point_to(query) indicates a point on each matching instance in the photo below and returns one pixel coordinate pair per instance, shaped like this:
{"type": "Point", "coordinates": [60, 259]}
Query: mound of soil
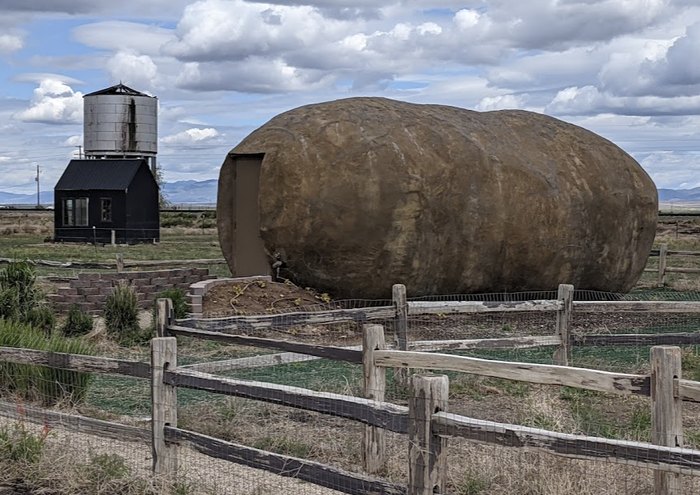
{"type": "Point", "coordinates": [258, 297]}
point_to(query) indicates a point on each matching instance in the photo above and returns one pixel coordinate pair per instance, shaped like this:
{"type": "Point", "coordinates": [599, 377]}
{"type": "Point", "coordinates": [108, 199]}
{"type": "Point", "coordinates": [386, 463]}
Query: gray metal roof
{"type": "Point", "coordinates": [111, 175]}
{"type": "Point", "coordinates": [118, 89]}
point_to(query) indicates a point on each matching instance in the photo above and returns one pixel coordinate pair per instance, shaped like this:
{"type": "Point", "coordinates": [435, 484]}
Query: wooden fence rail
{"type": "Point", "coordinates": [426, 420]}
{"type": "Point", "coordinates": [428, 425]}
{"type": "Point", "coordinates": [662, 269]}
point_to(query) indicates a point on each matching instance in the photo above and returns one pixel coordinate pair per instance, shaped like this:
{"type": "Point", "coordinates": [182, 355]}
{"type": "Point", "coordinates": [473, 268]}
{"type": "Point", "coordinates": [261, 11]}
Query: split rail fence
{"type": "Point", "coordinates": [663, 269]}
{"type": "Point", "coordinates": [426, 420]}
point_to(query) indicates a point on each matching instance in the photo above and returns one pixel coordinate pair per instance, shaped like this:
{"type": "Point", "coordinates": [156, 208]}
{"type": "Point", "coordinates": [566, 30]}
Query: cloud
{"type": "Point", "coordinates": [124, 36]}
{"type": "Point", "coordinates": [53, 102]}
{"type": "Point", "coordinates": [589, 100]}
{"type": "Point", "coordinates": [132, 69]}
{"type": "Point", "coordinates": [192, 136]}
{"type": "Point", "coordinates": [234, 30]}
{"type": "Point", "coordinates": [75, 140]}
{"type": "Point", "coordinates": [159, 8]}
{"type": "Point", "coordinates": [10, 43]}
{"type": "Point", "coordinates": [501, 102]}
{"type": "Point", "coordinates": [255, 75]}
{"type": "Point", "coordinates": [673, 170]}
{"type": "Point", "coordinates": [38, 77]}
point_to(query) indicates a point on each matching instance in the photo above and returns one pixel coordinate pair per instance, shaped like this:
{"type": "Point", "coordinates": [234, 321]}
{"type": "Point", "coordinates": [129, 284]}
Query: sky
{"type": "Point", "coordinates": [625, 69]}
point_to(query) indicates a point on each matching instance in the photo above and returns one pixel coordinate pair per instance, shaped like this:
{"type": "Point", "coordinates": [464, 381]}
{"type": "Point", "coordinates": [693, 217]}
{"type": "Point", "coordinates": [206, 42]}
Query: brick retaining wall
{"type": "Point", "coordinates": [90, 290]}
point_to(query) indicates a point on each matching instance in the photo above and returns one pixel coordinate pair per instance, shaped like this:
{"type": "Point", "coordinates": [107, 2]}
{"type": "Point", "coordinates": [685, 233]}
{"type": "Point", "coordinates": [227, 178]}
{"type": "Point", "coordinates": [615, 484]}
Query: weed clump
{"type": "Point", "coordinates": [21, 446]}
{"type": "Point", "coordinates": [179, 299]}
{"type": "Point", "coordinates": [18, 292]}
{"type": "Point", "coordinates": [122, 316]}
{"type": "Point", "coordinates": [77, 323]}
{"type": "Point", "coordinates": [40, 383]}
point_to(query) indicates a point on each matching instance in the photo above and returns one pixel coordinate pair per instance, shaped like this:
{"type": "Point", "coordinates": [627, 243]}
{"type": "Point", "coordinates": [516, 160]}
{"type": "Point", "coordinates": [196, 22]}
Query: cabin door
{"type": "Point", "coordinates": [249, 251]}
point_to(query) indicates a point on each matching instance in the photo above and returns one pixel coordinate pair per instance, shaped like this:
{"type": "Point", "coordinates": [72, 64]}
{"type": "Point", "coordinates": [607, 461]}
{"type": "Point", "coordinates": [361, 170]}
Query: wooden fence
{"type": "Point", "coordinates": [400, 312]}
{"type": "Point", "coordinates": [426, 419]}
{"type": "Point", "coordinates": [663, 269]}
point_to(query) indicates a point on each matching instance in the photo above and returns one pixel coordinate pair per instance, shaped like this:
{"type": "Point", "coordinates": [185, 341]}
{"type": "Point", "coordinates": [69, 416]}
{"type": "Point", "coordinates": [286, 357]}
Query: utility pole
{"type": "Point", "coordinates": [38, 193]}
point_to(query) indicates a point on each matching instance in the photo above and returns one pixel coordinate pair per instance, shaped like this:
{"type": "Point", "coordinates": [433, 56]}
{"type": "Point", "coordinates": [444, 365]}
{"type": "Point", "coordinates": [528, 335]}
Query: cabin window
{"type": "Point", "coordinates": [106, 209]}
{"type": "Point", "coordinates": [75, 212]}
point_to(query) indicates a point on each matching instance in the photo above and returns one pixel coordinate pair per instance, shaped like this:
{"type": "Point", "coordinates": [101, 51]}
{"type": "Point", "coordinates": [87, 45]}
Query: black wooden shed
{"type": "Point", "coordinates": [107, 200]}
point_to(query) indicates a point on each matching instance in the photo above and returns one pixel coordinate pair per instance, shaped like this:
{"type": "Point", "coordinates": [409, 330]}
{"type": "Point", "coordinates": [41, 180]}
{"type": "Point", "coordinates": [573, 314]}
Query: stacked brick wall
{"type": "Point", "coordinates": [90, 290]}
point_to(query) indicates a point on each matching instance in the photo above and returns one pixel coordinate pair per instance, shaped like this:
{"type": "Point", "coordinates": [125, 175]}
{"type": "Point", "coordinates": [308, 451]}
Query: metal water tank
{"type": "Point", "coordinates": [120, 122]}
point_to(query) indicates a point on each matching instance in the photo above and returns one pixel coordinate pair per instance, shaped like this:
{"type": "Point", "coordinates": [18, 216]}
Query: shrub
{"type": "Point", "coordinates": [179, 299]}
{"type": "Point", "coordinates": [21, 446]}
{"type": "Point", "coordinates": [18, 292]}
{"type": "Point", "coordinates": [78, 322]}
{"type": "Point", "coordinates": [41, 317]}
{"type": "Point", "coordinates": [122, 316]}
{"type": "Point", "coordinates": [105, 469]}
{"type": "Point", "coordinates": [41, 383]}
{"type": "Point", "coordinates": [122, 310]}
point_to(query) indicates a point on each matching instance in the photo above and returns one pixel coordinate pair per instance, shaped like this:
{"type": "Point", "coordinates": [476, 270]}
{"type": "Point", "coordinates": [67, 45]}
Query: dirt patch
{"type": "Point", "coordinates": [259, 297]}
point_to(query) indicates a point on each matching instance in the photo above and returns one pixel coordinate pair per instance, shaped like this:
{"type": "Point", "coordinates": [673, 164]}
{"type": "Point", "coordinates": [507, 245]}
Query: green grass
{"type": "Point", "coordinates": [193, 244]}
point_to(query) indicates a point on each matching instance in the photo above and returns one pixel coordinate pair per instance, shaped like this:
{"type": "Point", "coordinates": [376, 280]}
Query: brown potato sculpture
{"type": "Point", "coordinates": [358, 194]}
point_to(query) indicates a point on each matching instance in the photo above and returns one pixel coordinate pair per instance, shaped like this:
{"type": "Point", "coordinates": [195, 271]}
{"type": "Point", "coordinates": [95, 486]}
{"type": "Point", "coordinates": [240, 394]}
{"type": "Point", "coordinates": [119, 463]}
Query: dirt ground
{"type": "Point", "coordinates": [259, 297]}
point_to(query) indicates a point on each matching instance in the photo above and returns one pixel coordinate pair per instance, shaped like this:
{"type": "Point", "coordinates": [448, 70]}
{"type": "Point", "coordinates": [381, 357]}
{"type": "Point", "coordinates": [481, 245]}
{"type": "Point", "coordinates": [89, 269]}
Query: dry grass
{"type": "Point", "coordinates": [79, 464]}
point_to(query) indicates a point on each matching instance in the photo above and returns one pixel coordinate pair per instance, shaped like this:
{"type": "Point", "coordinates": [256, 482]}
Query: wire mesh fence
{"type": "Point", "coordinates": [256, 417]}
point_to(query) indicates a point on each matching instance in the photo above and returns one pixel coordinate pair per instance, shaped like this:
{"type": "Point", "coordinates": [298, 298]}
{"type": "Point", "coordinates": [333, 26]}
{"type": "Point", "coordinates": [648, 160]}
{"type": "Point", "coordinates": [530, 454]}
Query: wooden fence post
{"type": "Point", "coordinates": [666, 418]}
{"type": "Point", "coordinates": [164, 317]}
{"type": "Point", "coordinates": [398, 296]}
{"type": "Point", "coordinates": [120, 263]}
{"type": "Point", "coordinates": [663, 252]}
{"type": "Point", "coordinates": [163, 405]}
{"type": "Point", "coordinates": [427, 452]}
{"type": "Point", "coordinates": [562, 356]}
{"type": "Point", "coordinates": [373, 446]}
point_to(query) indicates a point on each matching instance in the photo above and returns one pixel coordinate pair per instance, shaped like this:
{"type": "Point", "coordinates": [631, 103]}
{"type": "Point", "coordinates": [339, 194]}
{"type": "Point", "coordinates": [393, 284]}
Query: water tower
{"type": "Point", "coordinates": [111, 195]}
{"type": "Point", "coordinates": [120, 122]}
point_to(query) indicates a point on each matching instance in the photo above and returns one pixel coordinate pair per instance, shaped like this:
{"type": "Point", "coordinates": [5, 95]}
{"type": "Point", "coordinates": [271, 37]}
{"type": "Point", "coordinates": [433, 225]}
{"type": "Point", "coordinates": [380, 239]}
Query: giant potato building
{"type": "Point", "coordinates": [355, 195]}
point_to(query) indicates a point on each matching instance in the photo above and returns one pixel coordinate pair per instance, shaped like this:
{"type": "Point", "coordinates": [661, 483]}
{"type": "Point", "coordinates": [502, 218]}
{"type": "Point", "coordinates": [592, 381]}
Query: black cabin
{"type": "Point", "coordinates": [105, 200]}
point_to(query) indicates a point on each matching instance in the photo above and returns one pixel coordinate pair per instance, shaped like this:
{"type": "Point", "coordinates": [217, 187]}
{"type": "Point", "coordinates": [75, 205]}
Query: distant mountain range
{"type": "Point", "coordinates": [684, 195]}
{"type": "Point", "coordinates": [180, 192]}
{"type": "Point", "coordinates": [204, 192]}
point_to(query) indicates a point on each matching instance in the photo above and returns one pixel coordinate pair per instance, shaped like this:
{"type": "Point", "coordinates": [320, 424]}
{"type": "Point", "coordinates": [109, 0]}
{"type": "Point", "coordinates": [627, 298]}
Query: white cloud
{"type": "Point", "coordinates": [255, 75]}
{"type": "Point", "coordinates": [467, 19]}
{"type": "Point", "coordinates": [75, 140]}
{"type": "Point", "coordinates": [191, 136]}
{"type": "Point", "coordinates": [53, 102]}
{"type": "Point", "coordinates": [501, 102]}
{"type": "Point", "coordinates": [673, 170]}
{"type": "Point", "coordinates": [233, 30]}
{"type": "Point", "coordinates": [124, 36]}
{"type": "Point", "coordinates": [10, 43]}
{"type": "Point", "coordinates": [132, 69]}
